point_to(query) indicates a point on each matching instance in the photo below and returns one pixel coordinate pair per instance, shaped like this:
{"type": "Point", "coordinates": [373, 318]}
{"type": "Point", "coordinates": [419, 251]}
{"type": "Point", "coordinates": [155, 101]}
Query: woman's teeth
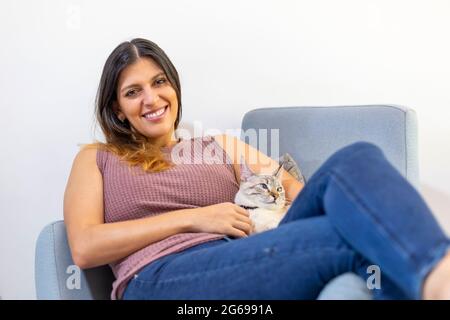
{"type": "Point", "coordinates": [155, 114]}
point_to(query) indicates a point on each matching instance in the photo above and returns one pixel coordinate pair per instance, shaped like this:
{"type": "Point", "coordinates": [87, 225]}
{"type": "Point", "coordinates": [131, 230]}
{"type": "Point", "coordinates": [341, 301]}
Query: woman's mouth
{"type": "Point", "coordinates": [156, 115]}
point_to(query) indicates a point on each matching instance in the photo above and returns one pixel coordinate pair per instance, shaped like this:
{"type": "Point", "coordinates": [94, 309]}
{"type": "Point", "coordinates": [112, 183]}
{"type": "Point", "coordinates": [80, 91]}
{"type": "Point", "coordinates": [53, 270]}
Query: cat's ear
{"type": "Point", "coordinates": [277, 172]}
{"type": "Point", "coordinates": [246, 172]}
{"type": "Point", "coordinates": [291, 167]}
{"type": "Point", "coordinates": [281, 162]}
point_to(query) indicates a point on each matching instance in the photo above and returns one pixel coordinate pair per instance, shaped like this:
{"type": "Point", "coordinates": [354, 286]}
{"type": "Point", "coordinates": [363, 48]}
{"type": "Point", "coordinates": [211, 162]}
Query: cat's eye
{"type": "Point", "coordinates": [279, 189]}
{"type": "Point", "coordinates": [263, 185]}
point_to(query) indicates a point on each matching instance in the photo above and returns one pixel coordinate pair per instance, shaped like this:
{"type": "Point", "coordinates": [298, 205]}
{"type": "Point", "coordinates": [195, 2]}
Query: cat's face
{"type": "Point", "coordinates": [260, 190]}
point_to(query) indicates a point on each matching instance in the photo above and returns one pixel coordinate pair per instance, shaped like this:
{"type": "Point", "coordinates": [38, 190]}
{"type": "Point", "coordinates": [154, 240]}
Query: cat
{"type": "Point", "coordinates": [262, 195]}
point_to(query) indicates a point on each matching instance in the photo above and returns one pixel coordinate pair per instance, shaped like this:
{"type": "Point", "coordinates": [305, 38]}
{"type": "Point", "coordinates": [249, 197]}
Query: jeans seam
{"type": "Point", "coordinates": [348, 190]}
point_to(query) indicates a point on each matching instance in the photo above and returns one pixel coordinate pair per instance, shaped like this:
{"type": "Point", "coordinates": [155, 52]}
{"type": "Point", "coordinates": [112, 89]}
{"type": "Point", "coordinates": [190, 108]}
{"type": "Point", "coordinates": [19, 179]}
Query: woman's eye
{"type": "Point", "coordinates": [161, 81]}
{"type": "Point", "coordinates": [130, 93]}
{"type": "Point", "coordinates": [263, 185]}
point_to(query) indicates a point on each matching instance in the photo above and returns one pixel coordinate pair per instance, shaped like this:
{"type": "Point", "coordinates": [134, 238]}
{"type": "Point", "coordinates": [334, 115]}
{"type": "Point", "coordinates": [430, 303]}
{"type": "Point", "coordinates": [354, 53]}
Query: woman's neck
{"type": "Point", "coordinates": [166, 142]}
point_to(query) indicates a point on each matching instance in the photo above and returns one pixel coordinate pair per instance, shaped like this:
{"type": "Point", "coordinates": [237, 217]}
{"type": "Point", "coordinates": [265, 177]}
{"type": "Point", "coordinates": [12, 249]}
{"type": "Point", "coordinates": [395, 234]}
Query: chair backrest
{"type": "Point", "coordinates": [312, 134]}
{"type": "Point", "coordinates": [58, 278]}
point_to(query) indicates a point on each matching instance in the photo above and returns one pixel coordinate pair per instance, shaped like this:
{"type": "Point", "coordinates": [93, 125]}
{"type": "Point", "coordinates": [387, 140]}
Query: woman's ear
{"type": "Point", "coordinates": [117, 111]}
{"type": "Point", "coordinates": [121, 116]}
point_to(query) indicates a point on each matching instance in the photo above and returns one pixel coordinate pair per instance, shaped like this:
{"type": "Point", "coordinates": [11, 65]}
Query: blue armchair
{"type": "Point", "coordinates": [310, 135]}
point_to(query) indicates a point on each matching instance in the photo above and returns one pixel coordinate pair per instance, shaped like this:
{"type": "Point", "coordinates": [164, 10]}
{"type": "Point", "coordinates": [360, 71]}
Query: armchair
{"type": "Point", "coordinates": [310, 135]}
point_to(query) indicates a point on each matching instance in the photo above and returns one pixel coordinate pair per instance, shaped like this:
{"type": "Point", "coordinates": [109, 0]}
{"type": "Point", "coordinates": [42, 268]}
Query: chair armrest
{"type": "Point", "coordinates": [54, 268]}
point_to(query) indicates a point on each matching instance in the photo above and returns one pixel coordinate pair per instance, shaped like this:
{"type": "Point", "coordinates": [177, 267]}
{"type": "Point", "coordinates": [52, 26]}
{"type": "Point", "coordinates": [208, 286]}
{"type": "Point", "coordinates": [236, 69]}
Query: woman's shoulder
{"type": "Point", "coordinates": [88, 150]}
{"type": "Point", "coordinates": [227, 143]}
{"type": "Point", "coordinates": [222, 138]}
{"type": "Point", "coordinates": [202, 139]}
{"type": "Point", "coordinates": [85, 160]}
{"type": "Point", "coordinates": [92, 154]}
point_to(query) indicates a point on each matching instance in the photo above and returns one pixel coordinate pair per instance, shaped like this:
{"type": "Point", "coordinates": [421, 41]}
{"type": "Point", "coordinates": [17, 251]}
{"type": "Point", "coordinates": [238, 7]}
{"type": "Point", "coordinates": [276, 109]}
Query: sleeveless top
{"type": "Point", "coordinates": [203, 175]}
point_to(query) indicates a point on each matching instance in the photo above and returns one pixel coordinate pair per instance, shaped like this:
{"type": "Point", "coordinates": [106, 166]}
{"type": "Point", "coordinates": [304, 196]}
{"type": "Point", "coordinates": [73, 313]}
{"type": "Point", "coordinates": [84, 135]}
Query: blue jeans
{"type": "Point", "coordinates": [355, 211]}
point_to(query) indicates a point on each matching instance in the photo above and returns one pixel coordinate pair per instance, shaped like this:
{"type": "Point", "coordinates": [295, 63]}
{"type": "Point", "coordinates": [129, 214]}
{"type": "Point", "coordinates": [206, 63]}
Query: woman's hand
{"type": "Point", "coordinates": [224, 218]}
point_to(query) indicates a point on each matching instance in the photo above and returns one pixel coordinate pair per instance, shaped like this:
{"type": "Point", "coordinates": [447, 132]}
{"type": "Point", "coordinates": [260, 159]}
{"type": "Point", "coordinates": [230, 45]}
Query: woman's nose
{"type": "Point", "coordinates": [150, 97]}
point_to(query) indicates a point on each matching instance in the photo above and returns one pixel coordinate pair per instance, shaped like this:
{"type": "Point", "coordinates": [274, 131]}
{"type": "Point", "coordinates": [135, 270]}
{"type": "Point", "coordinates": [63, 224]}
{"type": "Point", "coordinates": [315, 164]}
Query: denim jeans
{"type": "Point", "coordinates": [357, 210]}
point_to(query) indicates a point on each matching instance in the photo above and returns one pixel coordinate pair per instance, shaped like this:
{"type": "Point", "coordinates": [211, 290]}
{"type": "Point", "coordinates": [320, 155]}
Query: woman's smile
{"type": "Point", "coordinates": [157, 115]}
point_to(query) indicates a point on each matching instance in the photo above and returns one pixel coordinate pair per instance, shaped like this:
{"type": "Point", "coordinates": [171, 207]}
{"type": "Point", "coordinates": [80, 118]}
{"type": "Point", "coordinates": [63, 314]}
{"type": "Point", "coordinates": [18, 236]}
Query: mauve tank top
{"type": "Point", "coordinates": [203, 175]}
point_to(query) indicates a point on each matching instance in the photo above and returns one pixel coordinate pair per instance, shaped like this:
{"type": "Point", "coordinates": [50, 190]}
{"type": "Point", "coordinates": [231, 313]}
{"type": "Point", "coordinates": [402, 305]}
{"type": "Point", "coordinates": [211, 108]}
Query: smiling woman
{"type": "Point", "coordinates": [172, 230]}
{"type": "Point", "coordinates": [139, 104]}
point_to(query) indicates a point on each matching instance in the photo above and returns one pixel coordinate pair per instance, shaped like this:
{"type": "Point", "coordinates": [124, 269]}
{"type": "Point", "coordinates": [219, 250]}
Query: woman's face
{"type": "Point", "coordinates": [146, 98]}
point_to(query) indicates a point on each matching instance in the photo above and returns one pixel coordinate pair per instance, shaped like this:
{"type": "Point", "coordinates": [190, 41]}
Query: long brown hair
{"type": "Point", "coordinates": [129, 145]}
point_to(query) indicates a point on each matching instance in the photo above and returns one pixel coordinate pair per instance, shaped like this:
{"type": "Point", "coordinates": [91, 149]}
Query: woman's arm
{"type": "Point", "coordinates": [258, 162]}
{"type": "Point", "coordinates": [94, 242]}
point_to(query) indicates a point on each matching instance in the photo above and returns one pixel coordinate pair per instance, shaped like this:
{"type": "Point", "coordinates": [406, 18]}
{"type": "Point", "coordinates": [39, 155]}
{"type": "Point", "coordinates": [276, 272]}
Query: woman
{"type": "Point", "coordinates": [169, 229]}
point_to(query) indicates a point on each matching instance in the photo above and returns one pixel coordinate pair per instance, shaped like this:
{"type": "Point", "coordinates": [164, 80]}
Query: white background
{"type": "Point", "coordinates": [232, 56]}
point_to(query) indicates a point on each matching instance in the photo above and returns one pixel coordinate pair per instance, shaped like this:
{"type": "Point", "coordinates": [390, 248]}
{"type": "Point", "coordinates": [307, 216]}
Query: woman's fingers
{"type": "Point", "coordinates": [237, 233]}
{"type": "Point", "coordinates": [242, 218]}
{"type": "Point", "coordinates": [241, 210]}
{"type": "Point", "coordinates": [246, 227]}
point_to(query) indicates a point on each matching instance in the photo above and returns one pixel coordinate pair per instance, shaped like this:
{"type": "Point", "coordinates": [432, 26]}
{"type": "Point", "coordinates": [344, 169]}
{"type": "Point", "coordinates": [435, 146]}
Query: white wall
{"type": "Point", "coordinates": [232, 56]}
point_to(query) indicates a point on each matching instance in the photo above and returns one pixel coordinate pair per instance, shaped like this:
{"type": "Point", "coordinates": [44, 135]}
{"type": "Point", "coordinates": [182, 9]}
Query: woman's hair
{"type": "Point", "coordinates": [131, 146]}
